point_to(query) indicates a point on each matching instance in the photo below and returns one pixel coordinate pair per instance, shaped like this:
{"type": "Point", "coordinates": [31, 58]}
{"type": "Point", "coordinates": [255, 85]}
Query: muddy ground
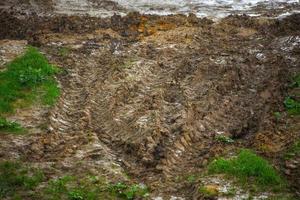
{"type": "Point", "coordinates": [143, 97]}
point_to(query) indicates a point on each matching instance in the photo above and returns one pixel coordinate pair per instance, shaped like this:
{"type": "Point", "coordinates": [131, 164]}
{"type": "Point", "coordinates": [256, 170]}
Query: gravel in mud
{"type": "Point", "coordinates": [148, 94]}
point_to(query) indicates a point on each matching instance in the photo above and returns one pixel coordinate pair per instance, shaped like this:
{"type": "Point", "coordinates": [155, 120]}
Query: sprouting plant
{"type": "Point", "coordinates": [63, 51]}
{"type": "Point", "coordinates": [191, 179]}
{"type": "Point", "coordinates": [292, 106]}
{"type": "Point", "coordinates": [76, 195]}
{"type": "Point", "coordinates": [7, 126]}
{"type": "Point", "coordinates": [293, 151]}
{"type": "Point", "coordinates": [224, 139]}
{"type": "Point", "coordinates": [296, 81]}
{"type": "Point", "coordinates": [277, 115]}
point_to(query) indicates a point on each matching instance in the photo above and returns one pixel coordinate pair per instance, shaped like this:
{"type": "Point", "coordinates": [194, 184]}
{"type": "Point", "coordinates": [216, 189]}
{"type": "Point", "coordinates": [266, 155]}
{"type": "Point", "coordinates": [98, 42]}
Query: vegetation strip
{"type": "Point", "coordinates": [26, 79]}
{"type": "Point", "coordinates": [19, 181]}
{"type": "Point", "coordinates": [16, 178]}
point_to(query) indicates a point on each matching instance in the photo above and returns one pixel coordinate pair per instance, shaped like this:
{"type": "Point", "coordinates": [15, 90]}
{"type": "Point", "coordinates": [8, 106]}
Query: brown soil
{"type": "Point", "coordinates": [149, 94]}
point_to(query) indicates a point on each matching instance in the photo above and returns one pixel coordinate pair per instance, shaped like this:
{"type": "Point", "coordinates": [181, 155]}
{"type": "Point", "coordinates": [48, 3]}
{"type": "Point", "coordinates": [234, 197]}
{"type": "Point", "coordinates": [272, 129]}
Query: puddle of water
{"type": "Point", "coordinates": [207, 8]}
{"type": "Point", "coordinates": [202, 8]}
{"type": "Point", "coordinates": [84, 7]}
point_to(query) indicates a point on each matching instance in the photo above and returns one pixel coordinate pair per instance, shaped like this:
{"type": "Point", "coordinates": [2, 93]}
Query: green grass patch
{"type": "Point", "coordinates": [23, 76]}
{"type": "Point", "coordinates": [10, 127]}
{"type": "Point", "coordinates": [26, 79]}
{"type": "Point", "coordinates": [248, 167]}
{"type": "Point", "coordinates": [91, 188]}
{"type": "Point", "coordinates": [16, 178]}
{"type": "Point", "coordinates": [72, 188]}
{"type": "Point", "coordinates": [18, 181]}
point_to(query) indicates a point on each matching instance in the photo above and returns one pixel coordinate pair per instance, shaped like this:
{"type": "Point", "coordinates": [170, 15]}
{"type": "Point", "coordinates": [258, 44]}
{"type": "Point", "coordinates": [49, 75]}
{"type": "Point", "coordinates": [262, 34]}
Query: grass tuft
{"type": "Point", "coordinates": [247, 166]}
{"type": "Point", "coordinates": [224, 139]}
{"type": "Point", "coordinates": [63, 51]}
{"type": "Point", "coordinates": [293, 151]}
{"type": "Point", "coordinates": [292, 106]}
{"type": "Point", "coordinates": [8, 126]}
{"type": "Point", "coordinates": [51, 93]}
{"type": "Point", "coordinates": [296, 81]}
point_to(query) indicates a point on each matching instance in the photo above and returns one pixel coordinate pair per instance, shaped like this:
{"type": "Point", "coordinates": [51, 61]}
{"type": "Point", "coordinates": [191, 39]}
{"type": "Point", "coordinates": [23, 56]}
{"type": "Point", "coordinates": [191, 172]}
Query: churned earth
{"type": "Point", "coordinates": [144, 97]}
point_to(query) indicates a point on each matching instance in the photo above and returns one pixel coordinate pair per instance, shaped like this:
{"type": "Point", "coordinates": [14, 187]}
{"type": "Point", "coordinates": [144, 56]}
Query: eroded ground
{"type": "Point", "coordinates": [144, 97]}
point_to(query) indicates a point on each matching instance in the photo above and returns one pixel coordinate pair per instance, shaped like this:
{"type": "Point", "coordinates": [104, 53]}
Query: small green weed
{"type": "Point", "coordinates": [11, 127]}
{"type": "Point", "coordinates": [290, 103]}
{"type": "Point", "coordinates": [191, 179]}
{"type": "Point", "coordinates": [277, 115]}
{"type": "Point", "coordinates": [124, 191]}
{"type": "Point", "coordinates": [295, 81]}
{"type": "Point", "coordinates": [292, 106]}
{"type": "Point", "coordinates": [293, 151]}
{"type": "Point", "coordinates": [15, 179]}
{"type": "Point", "coordinates": [58, 187]}
{"type": "Point", "coordinates": [224, 139]}
{"type": "Point", "coordinates": [247, 166]}
{"type": "Point", "coordinates": [231, 192]}
{"type": "Point", "coordinates": [63, 51]}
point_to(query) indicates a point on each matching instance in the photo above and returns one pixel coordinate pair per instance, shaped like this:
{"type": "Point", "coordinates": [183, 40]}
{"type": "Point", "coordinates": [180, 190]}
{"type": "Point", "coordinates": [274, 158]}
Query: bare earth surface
{"type": "Point", "coordinates": [143, 97]}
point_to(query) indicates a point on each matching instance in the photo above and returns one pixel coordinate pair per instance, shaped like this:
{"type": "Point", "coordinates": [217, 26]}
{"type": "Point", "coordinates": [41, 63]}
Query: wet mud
{"type": "Point", "coordinates": [148, 95]}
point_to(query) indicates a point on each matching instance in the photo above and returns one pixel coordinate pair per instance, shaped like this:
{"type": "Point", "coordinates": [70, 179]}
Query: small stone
{"type": "Point", "coordinates": [260, 56]}
{"type": "Point", "coordinates": [287, 172]}
{"type": "Point", "coordinates": [204, 162]}
{"type": "Point", "coordinates": [291, 166]}
{"type": "Point", "coordinates": [295, 162]}
{"type": "Point", "coordinates": [178, 145]}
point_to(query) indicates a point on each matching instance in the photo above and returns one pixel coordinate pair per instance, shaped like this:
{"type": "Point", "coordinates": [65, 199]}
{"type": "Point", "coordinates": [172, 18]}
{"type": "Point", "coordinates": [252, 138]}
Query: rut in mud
{"type": "Point", "coordinates": [149, 94]}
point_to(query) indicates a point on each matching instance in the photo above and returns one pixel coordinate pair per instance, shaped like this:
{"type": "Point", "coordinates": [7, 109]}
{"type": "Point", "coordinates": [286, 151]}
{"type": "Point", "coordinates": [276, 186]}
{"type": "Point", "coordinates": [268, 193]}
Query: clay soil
{"type": "Point", "coordinates": [145, 96]}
